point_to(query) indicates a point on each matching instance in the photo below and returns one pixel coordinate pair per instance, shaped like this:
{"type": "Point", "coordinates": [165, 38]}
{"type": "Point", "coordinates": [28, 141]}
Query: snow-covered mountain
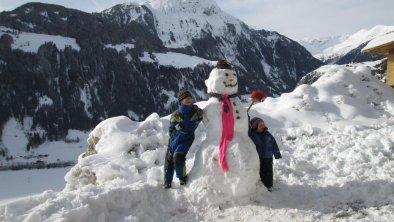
{"type": "Point", "coordinates": [336, 137]}
{"type": "Point", "coordinates": [317, 45]}
{"type": "Point", "coordinates": [346, 49]}
{"type": "Point", "coordinates": [67, 69]}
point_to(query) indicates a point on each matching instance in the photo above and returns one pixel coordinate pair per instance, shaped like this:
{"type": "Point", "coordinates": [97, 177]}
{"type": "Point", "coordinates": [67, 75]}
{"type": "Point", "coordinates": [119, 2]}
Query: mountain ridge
{"type": "Point", "coordinates": [347, 48]}
{"type": "Point", "coordinates": [117, 66]}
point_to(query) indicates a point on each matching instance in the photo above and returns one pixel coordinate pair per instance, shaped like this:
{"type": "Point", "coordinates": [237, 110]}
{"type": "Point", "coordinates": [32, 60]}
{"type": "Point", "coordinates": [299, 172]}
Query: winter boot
{"type": "Point", "coordinates": [183, 180]}
{"type": "Point", "coordinates": [167, 185]}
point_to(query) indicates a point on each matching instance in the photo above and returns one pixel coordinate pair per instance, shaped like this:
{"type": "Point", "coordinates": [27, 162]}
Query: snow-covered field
{"type": "Point", "coordinates": [31, 42]}
{"type": "Point", "coordinates": [337, 141]}
{"type": "Point", "coordinates": [15, 139]}
{"type": "Point", "coordinates": [174, 59]}
{"type": "Point", "coordinates": [22, 183]}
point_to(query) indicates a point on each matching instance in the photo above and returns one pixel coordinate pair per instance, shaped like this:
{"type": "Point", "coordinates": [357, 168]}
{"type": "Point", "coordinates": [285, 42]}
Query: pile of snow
{"type": "Point", "coordinates": [337, 141]}
{"type": "Point", "coordinates": [127, 152]}
{"type": "Point", "coordinates": [31, 42]}
{"type": "Point", "coordinates": [341, 96]}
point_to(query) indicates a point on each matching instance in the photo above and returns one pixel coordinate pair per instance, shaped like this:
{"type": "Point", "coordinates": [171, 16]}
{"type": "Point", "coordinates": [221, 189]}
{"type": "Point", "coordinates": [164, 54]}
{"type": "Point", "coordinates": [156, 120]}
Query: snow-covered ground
{"type": "Point", "coordinates": [174, 59]}
{"type": "Point", "coordinates": [337, 141]}
{"type": "Point", "coordinates": [31, 42]}
{"type": "Point", "coordinates": [15, 140]}
{"type": "Point", "coordinates": [21, 183]}
{"type": "Point", "coordinates": [120, 47]}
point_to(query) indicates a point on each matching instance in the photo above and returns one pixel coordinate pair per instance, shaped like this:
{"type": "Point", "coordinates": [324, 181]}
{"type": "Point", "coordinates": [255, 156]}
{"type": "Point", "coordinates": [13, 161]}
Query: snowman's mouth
{"type": "Point", "coordinates": [230, 85]}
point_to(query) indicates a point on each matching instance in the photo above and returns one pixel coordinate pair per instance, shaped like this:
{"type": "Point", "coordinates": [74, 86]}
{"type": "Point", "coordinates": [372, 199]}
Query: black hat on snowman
{"type": "Point", "coordinates": [223, 64]}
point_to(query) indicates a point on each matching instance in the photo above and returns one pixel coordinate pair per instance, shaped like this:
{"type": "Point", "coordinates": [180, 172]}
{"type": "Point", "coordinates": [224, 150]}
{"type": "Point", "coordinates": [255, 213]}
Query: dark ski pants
{"type": "Point", "coordinates": [266, 172]}
{"type": "Point", "coordinates": [174, 162]}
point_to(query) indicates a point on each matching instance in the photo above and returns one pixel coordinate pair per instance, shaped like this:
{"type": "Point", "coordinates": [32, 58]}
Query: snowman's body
{"type": "Point", "coordinates": [241, 155]}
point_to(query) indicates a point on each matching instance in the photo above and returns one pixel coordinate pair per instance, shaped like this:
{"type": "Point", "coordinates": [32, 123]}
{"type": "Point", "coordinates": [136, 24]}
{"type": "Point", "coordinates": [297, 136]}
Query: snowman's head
{"type": "Point", "coordinates": [222, 79]}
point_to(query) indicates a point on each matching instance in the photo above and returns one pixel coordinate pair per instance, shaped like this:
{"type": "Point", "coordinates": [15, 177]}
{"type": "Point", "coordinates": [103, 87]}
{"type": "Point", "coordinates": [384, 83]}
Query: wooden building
{"type": "Point", "coordinates": [384, 45]}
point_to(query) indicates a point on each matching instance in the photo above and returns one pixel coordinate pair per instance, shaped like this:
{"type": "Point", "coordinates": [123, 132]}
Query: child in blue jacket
{"type": "Point", "coordinates": [183, 122]}
{"type": "Point", "coordinates": [266, 148]}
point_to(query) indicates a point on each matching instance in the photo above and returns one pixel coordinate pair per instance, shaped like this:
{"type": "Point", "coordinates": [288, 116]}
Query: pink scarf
{"type": "Point", "coordinates": [227, 130]}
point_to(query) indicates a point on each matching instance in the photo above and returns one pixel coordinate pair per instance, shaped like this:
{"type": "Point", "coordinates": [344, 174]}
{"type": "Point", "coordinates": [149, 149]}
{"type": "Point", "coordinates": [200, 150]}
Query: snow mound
{"type": "Point", "coordinates": [337, 141]}
{"type": "Point", "coordinates": [342, 96]}
{"type": "Point", "coordinates": [127, 152]}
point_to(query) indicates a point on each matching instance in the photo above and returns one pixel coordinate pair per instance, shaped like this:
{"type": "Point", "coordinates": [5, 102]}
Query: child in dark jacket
{"type": "Point", "coordinates": [266, 148]}
{"type": "Point", "coordinates": [183, 122]}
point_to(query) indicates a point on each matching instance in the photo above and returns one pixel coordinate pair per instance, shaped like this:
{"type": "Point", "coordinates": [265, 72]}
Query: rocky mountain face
{"type": "Point", "coordinates": [66, 69]}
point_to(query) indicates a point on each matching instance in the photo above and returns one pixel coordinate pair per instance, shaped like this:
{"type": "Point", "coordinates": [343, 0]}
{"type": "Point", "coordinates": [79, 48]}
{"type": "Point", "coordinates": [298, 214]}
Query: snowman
{"type": "Point", "coordinates": [227, 161]}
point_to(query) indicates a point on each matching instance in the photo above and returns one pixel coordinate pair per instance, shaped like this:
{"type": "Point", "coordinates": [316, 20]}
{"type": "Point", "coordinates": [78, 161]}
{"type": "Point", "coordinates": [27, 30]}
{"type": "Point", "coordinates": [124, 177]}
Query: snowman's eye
{"type": "Point", "coordinates": [234, 74]}
{"type": "Point", "coordinates": [226, 74]}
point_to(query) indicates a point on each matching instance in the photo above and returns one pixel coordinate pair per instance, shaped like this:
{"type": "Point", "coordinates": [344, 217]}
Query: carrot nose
{"type": "Point", "coordinates": [231, 80]}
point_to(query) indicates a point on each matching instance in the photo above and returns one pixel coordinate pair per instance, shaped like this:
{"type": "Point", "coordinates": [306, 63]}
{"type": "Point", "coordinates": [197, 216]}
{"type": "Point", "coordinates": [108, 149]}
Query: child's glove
{"type": "Point", "coordinates": [202, 115]}
{"type": "Point", "coordinates": [178, 127]}
{"type": "Point", "coordinates": [277, 155]}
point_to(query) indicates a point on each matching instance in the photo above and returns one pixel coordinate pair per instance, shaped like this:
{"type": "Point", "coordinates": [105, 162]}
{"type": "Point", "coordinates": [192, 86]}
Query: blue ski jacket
{"type": "Point", "coordinates": [183, 122]}
{"type": "Point", "coordinates": [265, 144]}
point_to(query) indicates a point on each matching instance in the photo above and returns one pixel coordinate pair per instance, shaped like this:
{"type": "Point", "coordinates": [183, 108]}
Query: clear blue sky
{"type": "Point", "coordinates": [293, 18]}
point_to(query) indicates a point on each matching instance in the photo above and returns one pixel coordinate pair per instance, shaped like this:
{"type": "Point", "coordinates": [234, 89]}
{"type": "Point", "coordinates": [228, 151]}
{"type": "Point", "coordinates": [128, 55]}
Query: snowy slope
{"type": "Point", "coordinates": [174, 59]}
{"type": "Point", "coordinates": [181, 21]}
{"type": "Point", "coordinates": [31, 42]}
{"type": "Point", "coordinates": [337, 143]}
{"type": "Point", "coordinates": [317, 46]}
{"type": "Point", "coordinates": [59, 153]}
{"type": "Point", "coordinates": [330, 49]}
{"type": "Point", "coordinates": [352, 42]}
{"type": "Point", "coordinates": [382, 40]}
{"type": "Point", "coordinates": [125, 51]}
{"type": "Point", "coordinates": [178, 23]}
